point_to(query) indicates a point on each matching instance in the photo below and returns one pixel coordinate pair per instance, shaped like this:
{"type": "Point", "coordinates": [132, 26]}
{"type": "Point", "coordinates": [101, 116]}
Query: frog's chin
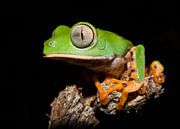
{"type": "Point", "coordinates": [82, 60]}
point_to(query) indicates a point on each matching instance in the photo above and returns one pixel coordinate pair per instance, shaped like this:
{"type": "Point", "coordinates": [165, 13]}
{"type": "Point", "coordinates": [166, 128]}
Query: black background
{"type": "Point", "coordinates": [29, 83]}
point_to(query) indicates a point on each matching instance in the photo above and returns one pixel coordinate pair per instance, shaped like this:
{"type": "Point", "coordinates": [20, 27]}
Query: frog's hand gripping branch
{"type": "Point", "coordinates": [136, 63]}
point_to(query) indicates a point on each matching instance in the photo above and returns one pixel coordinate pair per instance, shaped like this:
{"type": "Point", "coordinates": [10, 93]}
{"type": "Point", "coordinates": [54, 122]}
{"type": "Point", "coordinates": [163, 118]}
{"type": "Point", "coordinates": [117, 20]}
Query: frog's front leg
{"type": "Point", "coordinates": [102, 93]}
{"type": "Point", "coordinates": [136, 65]}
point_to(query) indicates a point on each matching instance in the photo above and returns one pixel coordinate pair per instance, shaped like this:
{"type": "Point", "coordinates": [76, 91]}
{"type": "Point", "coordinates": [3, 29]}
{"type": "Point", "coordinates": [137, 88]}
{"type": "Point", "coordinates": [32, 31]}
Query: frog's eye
{"type": "Point", "coordinates": [82, 36]}
{"type": "Point", "coordinates": [51, 43]}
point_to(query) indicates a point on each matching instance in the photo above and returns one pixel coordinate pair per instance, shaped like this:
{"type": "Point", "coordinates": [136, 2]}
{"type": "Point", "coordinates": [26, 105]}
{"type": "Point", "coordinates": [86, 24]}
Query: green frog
{"type": "Point", "coordinates": [106, 52]}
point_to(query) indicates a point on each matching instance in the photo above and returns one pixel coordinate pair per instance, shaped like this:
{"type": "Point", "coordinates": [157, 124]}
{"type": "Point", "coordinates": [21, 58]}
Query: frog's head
{"type": "Point", "coordinates": [81, 43]}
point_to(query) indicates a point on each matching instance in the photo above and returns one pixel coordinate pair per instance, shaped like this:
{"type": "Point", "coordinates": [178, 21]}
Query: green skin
{"type": "Point", "coordinates": [105, 54]}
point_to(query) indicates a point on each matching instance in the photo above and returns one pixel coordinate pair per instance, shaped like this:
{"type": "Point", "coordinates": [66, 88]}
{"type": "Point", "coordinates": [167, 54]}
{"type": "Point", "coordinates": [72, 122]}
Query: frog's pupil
{"type": "Point", "coordinates": [82, 36]}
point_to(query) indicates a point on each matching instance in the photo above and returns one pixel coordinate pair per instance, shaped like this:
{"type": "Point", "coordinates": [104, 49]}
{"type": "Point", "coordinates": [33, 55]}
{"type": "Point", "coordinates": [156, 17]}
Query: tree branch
{"type": "Point", "coordinates": [71, 110]}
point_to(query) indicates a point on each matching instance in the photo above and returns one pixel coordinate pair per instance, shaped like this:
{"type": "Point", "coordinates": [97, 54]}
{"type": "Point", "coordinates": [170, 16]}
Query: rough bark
{"type": "Point", "coordinates": [71, 110]}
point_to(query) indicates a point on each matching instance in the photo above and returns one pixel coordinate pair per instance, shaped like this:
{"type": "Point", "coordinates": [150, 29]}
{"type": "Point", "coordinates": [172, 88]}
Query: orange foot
{"type": "Point", "coordinates": [116, 85]}
{"type": "Point", "coordinates": [156, 70]}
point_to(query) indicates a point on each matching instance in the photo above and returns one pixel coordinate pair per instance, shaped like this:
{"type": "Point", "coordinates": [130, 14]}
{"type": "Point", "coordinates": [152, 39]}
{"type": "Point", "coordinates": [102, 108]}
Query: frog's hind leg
{"type": "Point", "coordinates": [136, 63]}
{"type": "Point", "coordinates": [132, 84]}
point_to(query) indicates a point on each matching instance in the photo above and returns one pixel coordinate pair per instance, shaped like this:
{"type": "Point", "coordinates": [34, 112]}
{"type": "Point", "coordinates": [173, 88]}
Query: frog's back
{"type": "Point", "coordinates": [118, 44]}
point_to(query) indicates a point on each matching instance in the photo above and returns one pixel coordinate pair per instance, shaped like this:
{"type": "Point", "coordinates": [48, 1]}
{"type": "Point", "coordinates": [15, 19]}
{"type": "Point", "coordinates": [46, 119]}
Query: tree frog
{"type": "Point", "coordinates": [102, 51]}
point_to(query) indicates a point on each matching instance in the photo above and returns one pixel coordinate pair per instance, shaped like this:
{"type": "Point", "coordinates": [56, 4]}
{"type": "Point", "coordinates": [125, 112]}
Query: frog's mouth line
{"type": "Point", "coordinates": [97, 63]}
{"type": "Point", "coordinates": [81, 57]}
{"type": "Point", "coordinates": [90, 62]}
